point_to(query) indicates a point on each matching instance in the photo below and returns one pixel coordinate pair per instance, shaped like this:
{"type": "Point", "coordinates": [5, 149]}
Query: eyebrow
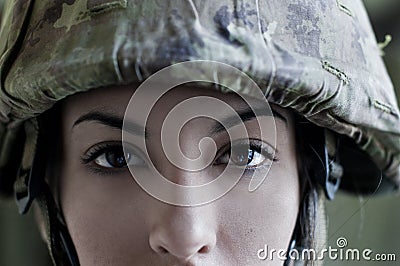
{"type": "Point", "coordinates": [116, 122]}
{"type": "Point", "coordinates": [245, 115]}
{"type": "Point", "coordinates": [113, 121]}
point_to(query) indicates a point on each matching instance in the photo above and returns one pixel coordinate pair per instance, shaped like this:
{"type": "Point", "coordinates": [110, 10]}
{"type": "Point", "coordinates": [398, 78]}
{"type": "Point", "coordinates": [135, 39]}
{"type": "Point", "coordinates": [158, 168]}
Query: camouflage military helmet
{"type": "Point", "coordinates": [321, 59]}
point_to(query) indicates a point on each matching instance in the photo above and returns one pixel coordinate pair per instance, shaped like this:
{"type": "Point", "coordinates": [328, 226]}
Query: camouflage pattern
{"type": "Point", "coordinates": [319, 57]}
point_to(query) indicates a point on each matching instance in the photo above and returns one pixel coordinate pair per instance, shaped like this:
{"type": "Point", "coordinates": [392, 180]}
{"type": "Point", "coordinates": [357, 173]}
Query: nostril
{"type": "Point", "coordinates": [182, 244]}
{"type": "Point", "coordinates": [204, 249]}
{"type": "Point", "coordinates": [162, 250]}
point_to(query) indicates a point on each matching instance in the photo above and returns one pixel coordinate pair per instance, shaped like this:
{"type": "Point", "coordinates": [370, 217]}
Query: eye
{"type": "Point", "coordinates": [252, 154]}
{"type": "Point", "coordinates": [113, 159]}
{"type": "Point", "coordinates": [108, 155]}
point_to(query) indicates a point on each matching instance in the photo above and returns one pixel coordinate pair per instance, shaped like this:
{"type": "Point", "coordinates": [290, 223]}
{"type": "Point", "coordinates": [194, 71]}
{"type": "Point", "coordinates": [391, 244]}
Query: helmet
{"type": "Point", "coordinates": [321, 60]}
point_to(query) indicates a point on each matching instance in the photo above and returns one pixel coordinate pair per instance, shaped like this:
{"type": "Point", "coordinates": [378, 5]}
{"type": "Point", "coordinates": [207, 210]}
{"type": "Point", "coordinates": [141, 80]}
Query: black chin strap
{"type": "Point", "coordinates": [59, 242]}
{"type": "Point", "coordinates": [322, 162]}
{"type": "Point", "coordinates": [293, 242]}
{"type": "Point", "coordinates": [30, 184]}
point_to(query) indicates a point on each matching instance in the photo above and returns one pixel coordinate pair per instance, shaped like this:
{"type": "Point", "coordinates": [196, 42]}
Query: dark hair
{"type": "Point", "coordinates": [311, 215]}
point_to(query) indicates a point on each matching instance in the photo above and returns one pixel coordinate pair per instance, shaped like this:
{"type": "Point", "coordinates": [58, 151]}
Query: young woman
{"type": "Point", "coordinates": [244, 160]}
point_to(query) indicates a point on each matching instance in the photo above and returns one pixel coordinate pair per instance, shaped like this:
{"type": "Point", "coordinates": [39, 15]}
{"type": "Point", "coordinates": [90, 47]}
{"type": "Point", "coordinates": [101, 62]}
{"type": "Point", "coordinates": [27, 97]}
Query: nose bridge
{"type": "Point", "coordinates": [184, 232]}
{"type": "Point", "coordinates": [186, 177]}
{"type": "Point", "coordinates": [190, 147]}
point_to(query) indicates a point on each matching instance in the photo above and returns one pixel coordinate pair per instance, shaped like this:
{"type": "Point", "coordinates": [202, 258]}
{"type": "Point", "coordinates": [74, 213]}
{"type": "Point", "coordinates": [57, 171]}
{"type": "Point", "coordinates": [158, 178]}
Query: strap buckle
{"type": "Point", "coordinates": [324, 166]}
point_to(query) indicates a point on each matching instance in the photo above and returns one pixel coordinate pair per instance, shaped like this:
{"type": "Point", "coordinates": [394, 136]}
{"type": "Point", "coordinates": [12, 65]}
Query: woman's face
{"type": "Point", "coordinates": [113, 221]}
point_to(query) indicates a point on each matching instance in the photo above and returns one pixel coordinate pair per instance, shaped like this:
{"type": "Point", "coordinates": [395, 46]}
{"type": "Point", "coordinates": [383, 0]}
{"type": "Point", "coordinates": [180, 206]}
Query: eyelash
{"type": "Point", "coordinates": [252, 144]}
{"type": "Point", "coordinates": [96, 151]}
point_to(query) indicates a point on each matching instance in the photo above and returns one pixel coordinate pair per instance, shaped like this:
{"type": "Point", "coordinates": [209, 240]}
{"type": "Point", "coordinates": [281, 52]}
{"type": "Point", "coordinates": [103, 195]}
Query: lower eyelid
{"type": "Point", "coordinates": [98, 170]}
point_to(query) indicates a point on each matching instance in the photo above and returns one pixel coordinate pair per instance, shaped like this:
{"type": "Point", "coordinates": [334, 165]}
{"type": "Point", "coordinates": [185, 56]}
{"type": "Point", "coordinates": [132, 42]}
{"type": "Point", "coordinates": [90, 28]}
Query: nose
{"type": "Point", "coordinates": [184, 233]}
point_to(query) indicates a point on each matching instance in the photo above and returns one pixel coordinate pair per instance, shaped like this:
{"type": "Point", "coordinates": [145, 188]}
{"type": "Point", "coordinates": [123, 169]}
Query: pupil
{"type": "Point", "coordinates": [241, 158]}
{"type": "Point", "coordinates": [116, 158]}
{"type": "Point", "coordinates": [244, 157]}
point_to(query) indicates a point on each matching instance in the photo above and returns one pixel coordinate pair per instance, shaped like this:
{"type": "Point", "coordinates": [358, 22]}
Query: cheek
{"type": "Point", "coordinates": [105, 217]}
{"type": "Point", "coordinates": [266, 216]}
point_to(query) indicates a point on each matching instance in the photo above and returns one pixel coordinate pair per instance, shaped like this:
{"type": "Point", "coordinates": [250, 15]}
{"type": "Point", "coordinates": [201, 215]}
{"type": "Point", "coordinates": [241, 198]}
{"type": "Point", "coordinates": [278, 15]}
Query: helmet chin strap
{"type": "Point", "coordinates": [59, 242]}
{"type": "Point", "coordinates": [314, 235]}
{"type": "Point", "coordinates": [30, 184]}
{"type": "Point", "coordinates": [293, 242]}
{"type": "Point", "coordinates": [322, 163]}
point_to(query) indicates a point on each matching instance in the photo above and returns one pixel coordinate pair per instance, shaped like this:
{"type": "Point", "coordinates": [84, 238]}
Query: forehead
{"type": "Point", "coordinates": [114, 100]}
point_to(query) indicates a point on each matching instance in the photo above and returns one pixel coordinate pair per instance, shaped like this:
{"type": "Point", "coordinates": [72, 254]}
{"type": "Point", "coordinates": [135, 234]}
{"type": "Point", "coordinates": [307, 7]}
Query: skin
{"type": "Point", "coordinates": [113, 221]}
